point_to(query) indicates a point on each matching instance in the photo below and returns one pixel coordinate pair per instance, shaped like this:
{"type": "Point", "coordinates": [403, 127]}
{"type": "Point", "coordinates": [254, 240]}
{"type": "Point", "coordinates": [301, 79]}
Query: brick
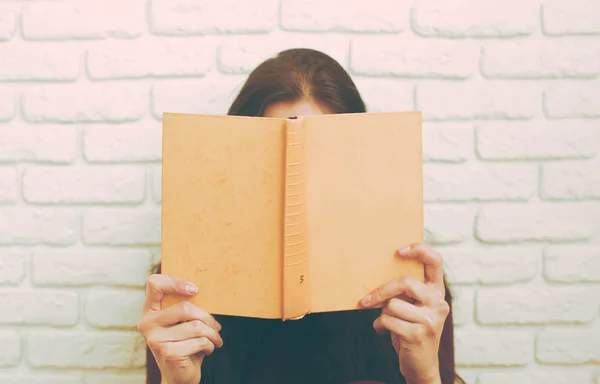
{"type": "Point", "coordinates": [84, 184]}
{"type": "Point", "coordinates": [12, 266]}
{"type": "Point", "coordinates": [563, 376]}
{"type": "Point", "coordinates": [8, 104]}
{"type": "Point", "coordinates": [570, 181]}
{"type": "Point", "coordinates": [8, 185]}
{"type": "Point", "coordinates": [42, 378]}
{"type": "Point", "coordinates": [462, 305]}
{"type": "Point", "coordinates": [504, 377]}
{"type": "Point", "coordinates": [138, 58]}
{"type": "Point", "coordinates": [541, 59]}
{"type": "Point", "coordinates": [573, 346]}
{"type": "Point", "coordinates": [577, 17]}
{"type": "Point", "coordinates": [10, 353]}
{"type": "Point", "coordinates": [385, 95]}
{"type": "Point", "coordinates": [91, 267]}
{"type": "Point", "coordinates": [475, 18]}
{"type": "Point", "coordinates": [448, 225]}
{"type": "Point", "coordinates": [502, 265]}
{"type": "Point", "coordinates": [77, 349]}
{"type": "Point", "coordinates": [453, 182]}
{"type": "Point", "coordinates": [544, 222]}
{"type": "Point", "coordinates": [121, 378]}
{"type": "Point", "coordinates": [35, 307]}
{"type": "Point", "coordinates": [157, 184]}
{"type": "Point", "coordinates": [493, 348]}
{"type": "Point", "coordinates": [200, 17]}
{"type": "Point", "coordinates": [571, 100]}
{"type": "Point", "coordinates": [447, 142]}
{"type": "Point", "coordinates": [48, 144]}
{"type": "Point", "coordinates": [213, 96]}
{"type": "Point", "coordinates": [76, 103]}
{"type": "Point", "coordinates": [114, 308]}
{"type": "Point", "coordinates": [121, 227]}
{"type": "Point", "coordinates": [8, 25]}
{"type": "Point", "coordinates": [548, 376]}
{"type": "Point", "coordinates": [137, 142]}
{"type": "Point", "coordinates": [37, 61]}
{"type": "Point", "coordinates": [572, 263]}
{"type": "Point", "coordinates": [547, 140]}
{"type": "Point", "coordinates": [544, 305]}
{"type": "Point", "coordinates": [479, 101]}
{"type": "Point", "coordinates": [242, 55]}
{"type": "Point", "coordinates": [343, 16]}
{"type": "Point", "coordinates": [400, 56]}
{"type": "Point", "coordinates": [26, 226]}
{"type": "Point", "coordinates": [87, 19]}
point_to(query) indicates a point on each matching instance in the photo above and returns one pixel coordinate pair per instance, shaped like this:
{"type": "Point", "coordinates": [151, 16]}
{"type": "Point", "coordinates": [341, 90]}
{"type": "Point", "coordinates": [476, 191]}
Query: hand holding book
{"type": "Point", "coordinates": [414, 312]}
{"type": "Point", "coordinates": [181, 335]}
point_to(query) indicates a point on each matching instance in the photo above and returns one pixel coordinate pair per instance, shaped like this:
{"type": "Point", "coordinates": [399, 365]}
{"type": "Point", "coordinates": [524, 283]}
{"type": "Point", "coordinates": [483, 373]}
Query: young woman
{"type": "Point", "coordinates": [409, 340]}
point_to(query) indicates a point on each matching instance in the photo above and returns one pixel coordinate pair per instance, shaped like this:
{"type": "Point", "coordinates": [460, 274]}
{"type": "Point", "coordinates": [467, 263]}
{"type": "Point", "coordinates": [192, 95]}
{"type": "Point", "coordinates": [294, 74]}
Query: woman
{"type": "Point", "coordinates": [409, 340]}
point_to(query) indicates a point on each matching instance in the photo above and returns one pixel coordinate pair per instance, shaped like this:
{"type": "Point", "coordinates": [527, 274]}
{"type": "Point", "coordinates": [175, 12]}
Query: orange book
{"type": "Point", "coordinates": [278, 218]}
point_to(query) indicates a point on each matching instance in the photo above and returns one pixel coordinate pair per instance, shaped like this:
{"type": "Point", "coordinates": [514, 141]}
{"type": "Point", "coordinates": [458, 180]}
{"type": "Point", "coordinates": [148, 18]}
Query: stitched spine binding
{"type": "Point", "coordinates": [296, 277]}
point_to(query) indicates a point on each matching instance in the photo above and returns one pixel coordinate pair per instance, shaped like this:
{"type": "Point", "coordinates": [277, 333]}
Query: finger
{"type": "Point", "coordinates": [402, 328]}
{"type": "Point", "coordinates": [387, 291]}
{"type": "Point", "coordinates": [188, 330]}
{"type": "Point", "coordinates": [408, 312]}
{"type": "Point", "coordinates": [184, 311]}
{"type": "Point", "coordinates": [174, 351]}
{"type": "Point", "coordinates": [418, 290]}
{"type": "Point", "coordinates": [404, 285]}
{"type": "Point", "coordinates": [434, 271]}
{"type": "Point", "coordinates": [160, 285]}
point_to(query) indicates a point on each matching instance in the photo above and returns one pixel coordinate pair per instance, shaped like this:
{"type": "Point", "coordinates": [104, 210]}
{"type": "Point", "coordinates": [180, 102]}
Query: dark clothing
{"type": "Point", "coordinates": [324, 348]}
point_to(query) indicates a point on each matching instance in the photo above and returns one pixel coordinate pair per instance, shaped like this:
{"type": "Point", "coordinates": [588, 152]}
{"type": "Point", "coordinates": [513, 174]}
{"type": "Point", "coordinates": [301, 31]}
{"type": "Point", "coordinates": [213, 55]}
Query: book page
{"type": "Point", "coordinates": [222, 205]}
{"type": "Point", "coordinates": [364, 200]}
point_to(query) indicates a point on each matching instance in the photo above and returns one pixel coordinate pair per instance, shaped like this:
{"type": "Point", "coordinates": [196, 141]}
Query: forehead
{"type": "Point", "coordinates": [300, 108]}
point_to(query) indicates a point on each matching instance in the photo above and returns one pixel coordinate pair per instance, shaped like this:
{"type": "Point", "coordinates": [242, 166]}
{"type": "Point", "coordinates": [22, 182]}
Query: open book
{"type": "Point", "coordinates": [278, 218]}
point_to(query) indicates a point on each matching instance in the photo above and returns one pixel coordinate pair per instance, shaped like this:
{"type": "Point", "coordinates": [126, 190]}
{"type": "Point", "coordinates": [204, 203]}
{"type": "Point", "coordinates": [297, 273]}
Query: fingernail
{"type": "Point", "coordinates": [218, 325]}
{"type": "Point", "coordinates": [191, 289]}
{"type": "Point", "coordinates": [366, 300]}
{"type": "Point", "coordinates": [404, 250]}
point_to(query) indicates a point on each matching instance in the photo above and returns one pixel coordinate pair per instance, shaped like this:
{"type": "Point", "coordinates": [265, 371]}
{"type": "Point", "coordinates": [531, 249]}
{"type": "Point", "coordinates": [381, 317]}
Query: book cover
{"type": "Point", "coordinates": [279, 218]}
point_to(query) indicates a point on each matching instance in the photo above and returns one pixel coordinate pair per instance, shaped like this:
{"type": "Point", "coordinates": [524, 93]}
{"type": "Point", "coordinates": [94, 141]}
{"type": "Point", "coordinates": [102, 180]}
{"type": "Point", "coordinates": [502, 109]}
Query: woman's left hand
{"type": "Point", "coordinates": [414, 313]}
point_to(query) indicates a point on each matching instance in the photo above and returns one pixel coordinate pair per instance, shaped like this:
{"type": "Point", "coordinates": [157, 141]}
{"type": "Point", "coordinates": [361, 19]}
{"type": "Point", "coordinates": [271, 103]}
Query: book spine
{"type": "Point", "coordinates": [296, 276]}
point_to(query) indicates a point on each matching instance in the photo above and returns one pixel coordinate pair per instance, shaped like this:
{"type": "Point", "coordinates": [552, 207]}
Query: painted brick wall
{"type": "Point", "coordinates": [510, 91]}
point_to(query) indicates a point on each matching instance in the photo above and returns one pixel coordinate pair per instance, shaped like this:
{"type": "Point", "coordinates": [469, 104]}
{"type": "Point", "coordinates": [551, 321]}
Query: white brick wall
{"type": "Point", "coordinates": [510, 94]}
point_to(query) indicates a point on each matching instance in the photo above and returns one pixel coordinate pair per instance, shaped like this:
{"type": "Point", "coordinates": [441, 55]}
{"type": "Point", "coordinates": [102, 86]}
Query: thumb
{"type": "Point", "coordinates": [158, 286]}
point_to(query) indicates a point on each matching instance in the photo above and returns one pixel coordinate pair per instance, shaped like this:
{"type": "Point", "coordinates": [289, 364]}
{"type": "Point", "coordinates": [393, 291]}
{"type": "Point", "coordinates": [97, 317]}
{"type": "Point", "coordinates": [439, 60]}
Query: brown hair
{"type": "Point", "coordinates": [348, 347]}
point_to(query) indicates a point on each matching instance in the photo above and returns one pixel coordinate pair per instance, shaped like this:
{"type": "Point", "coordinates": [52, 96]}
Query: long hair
{"type": "Point", "coordinates": [348, 348]}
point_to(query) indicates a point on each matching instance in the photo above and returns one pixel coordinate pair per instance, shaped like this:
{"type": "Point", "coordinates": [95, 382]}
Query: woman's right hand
{"type": "Point", "coordinates": [179, 336]}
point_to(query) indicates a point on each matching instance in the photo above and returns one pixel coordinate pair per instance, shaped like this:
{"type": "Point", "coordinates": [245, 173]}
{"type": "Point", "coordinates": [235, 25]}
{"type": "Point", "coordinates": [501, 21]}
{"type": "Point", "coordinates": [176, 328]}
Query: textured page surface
{"type": "Point", "coordinates": [296, 259]}
{"type": "Point", "coordinates": [364, 200]}
{"type": "Point", "coordinates": [222, 211]}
